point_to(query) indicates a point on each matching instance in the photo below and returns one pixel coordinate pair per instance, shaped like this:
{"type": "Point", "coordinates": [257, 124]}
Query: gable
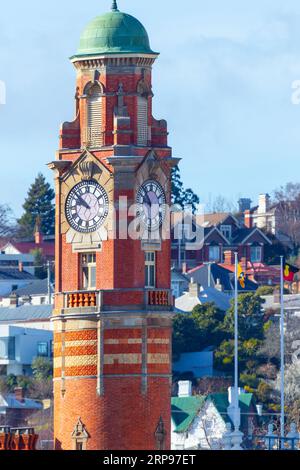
{"type": "Point", "coordinates": [214, 236]}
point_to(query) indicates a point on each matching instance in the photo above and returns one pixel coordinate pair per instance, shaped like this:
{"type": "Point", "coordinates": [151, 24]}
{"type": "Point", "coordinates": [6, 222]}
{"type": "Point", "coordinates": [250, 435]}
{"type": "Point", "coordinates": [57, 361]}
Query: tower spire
{"type": "Point", "coordinates": [114, 6]}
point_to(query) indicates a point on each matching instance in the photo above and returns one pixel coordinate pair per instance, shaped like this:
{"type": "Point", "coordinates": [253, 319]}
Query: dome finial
{"type": "Point", "coordinates": [114, 6]}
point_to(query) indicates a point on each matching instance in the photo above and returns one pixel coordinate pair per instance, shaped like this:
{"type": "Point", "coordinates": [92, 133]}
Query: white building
{"type": "Point", "coordinates": [199, 422]}
{"type": "Point", "coordinates": [34, 293]}
{"type": "Point", "coordinates": [25, 333]}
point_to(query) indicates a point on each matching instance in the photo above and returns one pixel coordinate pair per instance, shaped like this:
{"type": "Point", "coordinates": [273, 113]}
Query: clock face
{"type": "Point", "coordinates": [151, 200]}
{"type": "Point", "coordinates": [87, 206]}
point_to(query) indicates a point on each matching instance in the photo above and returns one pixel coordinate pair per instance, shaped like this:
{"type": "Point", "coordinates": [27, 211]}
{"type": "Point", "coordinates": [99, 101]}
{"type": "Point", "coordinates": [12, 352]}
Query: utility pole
{"type": "Point", "coordinates": [49, 282]}
{"type": "Point", "coordinates": [282, 381]}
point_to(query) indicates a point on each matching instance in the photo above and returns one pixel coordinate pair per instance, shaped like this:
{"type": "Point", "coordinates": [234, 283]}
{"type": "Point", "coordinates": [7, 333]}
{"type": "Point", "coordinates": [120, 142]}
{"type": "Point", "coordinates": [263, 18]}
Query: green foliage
{"type": "Point", "coordinates": [265, 290]}
{"type": "Point", "coordinates": [224, 355]}
{"type": "Point", "coordinates": [38, 206]}
{"type": "Point", "coordinates": [11, 382]}
{"type": "Point", "coordinates": [251, 319]}
{"type": "Point", "coordinates": [195, 331]}
{"type": "Point", "coordinates": [263, 392]}
{"type": "Point", "coordinates": [40, 270]}
{"type": "Point", "coordinates": [180, 196]}
{"type": "Point", "coordinates": [24, 382]}
{"type": "Point", "coordinates": [249, 380]}
{"type": "Point", "coordinates": [42, 368]}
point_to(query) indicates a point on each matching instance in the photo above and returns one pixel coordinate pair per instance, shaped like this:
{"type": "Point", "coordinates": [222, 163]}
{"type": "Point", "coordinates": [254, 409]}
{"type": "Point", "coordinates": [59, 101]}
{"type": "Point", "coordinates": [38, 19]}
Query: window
{"type": "Point", "coordinates": [7, 348]}
{"type": "Point", "coordinates": [142, 121]}
{"type": "Point", "coordinates": [42, 349]}
{"type": "Point", "coordinates": [255, 254]}
{"type": "Point", "coordinates": [88, 271]}
{"type": "Point", "coordinates": [226, 231]}
{"type": "Point", "coordinates": [214, 253]}
{"type": "Point", "coordinates": [94, 116]}
{"type": "Point", "coordinates": [51, 348]}
{"type": "Point", "coordinates": [150, 269]}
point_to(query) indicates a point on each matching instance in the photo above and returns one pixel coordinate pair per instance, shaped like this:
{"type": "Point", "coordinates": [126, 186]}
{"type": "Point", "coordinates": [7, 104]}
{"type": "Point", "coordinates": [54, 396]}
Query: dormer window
{"type": "Point", "coordinates": [226, 231]}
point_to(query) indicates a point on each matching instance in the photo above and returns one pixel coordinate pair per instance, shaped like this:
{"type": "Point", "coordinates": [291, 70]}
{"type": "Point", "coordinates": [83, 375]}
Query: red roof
{"type": "Point", "coordinates": [47, 248]}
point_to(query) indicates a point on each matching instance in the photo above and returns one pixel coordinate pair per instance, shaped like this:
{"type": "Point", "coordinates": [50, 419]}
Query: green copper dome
{"type": "Point", "coordinates": [114, 33]}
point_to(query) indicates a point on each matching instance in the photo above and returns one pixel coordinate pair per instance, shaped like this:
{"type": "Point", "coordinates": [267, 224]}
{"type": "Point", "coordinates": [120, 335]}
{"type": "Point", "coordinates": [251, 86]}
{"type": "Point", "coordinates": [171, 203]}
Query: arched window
{"type": "Point", "coordinates": [142, 121]}
{"type": "Point", "coordinates": [94, 116]}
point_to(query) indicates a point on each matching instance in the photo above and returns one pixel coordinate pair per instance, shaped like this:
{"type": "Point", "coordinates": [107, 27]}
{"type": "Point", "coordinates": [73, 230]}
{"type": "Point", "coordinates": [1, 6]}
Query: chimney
{"type": "Point", "coordinates": [243, 263]}
{"type": "Point", "coordinates": [38, 237]}
{"type": "Point", "coordinates": [229, 258]}
{"type": "Point", "coordinates": [263, 203]}
{"type": "Point", "coordinates": [219, 286]}
{"type": "Point", "coordinates": [184, 388]}
{"type": "Point", "coordinates": [184, 268]}
{"type": "Point", "coordinates": [13, 300]}
{"type": "Point", "coordinates": [248, 219]}
{"type": "Point", "coordinates": [194, 288]}
{"type": "Point", "coordinates": [19, 394]}
{"type": "Point", "coordinates": [21, 266]}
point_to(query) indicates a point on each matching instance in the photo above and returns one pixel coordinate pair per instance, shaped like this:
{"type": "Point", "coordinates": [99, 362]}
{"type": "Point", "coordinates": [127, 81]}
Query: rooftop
{"type": "Point", "coordinates": [25, 313]}
{"type": "Point", "coordinates": [114, 32]}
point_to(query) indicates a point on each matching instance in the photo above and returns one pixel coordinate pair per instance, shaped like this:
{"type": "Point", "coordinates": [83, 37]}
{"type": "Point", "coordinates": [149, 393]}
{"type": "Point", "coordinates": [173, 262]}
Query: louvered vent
{"type": "Point", "coordinates": [142, 138]}
{"type": "Point", "coordinates": [94, 119]}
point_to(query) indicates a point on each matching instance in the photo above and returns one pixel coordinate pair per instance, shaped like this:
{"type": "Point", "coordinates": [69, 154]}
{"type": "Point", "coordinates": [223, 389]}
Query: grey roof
{"type": "Point", "coordinates": [187, 301]}
{"type": "Point", "coordinates": [226, 277]}
{"type": "Point", "coordinates": [10, 401]}
{"type": "Point", "coordinates": [37, 287]}
{"type": "Point", "coordinates": [26, 313]}
{"type": "Point", "coordinates": [14, 275]}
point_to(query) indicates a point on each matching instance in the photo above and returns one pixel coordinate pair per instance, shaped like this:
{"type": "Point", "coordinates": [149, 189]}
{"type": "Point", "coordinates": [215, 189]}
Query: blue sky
{"type": "Point", "coordinates": [223, 82]}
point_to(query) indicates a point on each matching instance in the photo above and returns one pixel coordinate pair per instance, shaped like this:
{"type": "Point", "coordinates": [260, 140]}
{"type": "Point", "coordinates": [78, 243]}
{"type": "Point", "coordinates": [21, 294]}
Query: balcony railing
{"type": "Point", "coordinates": [112, 299]}
{"type": "Point", "coordinates": [81, 300]}
{"type": "Point", "coordinates": [93, 137]}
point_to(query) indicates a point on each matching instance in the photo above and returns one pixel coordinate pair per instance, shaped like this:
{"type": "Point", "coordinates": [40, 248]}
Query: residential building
{"type": "Point", "coordinates": [35, 293]}
{"type": "Point", "coordinates": [197, 295]}
{"type": "Point", "coordinates": [15, 408]}
{"type": "Point", "coordinates": [179, 283]}
{"type": "Point", "coordinates": [199, 422]}
{"type": "Point", "coordinates": [17, 261]}
{"type": "Point", "coordinates": [218, 277]}
{"type": "Point", "coordinates": [219, 233]}
{"type": "Point", "coordinates": [44, 243]}
{"type": "Point", "coordinates": [11, 279]}
{"type": "Point", "coordinates": [19, 346]}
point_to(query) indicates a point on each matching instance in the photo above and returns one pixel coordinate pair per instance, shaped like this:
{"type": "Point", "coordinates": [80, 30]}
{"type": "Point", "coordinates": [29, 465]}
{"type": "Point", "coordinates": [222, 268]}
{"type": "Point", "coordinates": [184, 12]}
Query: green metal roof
{"type": "Point", "coordinates": [184, 411]}
{"type": "Point", "coordinates": [114, 33]}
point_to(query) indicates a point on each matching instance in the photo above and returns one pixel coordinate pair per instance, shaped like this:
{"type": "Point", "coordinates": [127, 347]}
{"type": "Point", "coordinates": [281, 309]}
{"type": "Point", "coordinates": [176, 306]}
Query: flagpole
{"type": "Point", "coordinates": [236, 345]}
{"type": "Point", "coordinates": [282, 420]}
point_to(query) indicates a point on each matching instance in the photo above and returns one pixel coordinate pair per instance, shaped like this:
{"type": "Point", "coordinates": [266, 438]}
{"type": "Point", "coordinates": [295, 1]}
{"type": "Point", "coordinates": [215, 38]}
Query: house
{"type": "Point", "coordinates": [15, 409]}
{"type": "Point", "coordinates": [46, 245]}
{"type": "Point", "coordinates": [218, 232]}
{"type": "Point", "coordinates": [11, 279]}
{"type": "Point", "coordinates": [218, 277]}
{"type": "Point", "coordinates": [199, 422]}
{"type": "Point", "coordinates": [291, 303]}
{"type": "Point", "coordinates": [19, 346]}
{"type": "Point", "coordinates": [17, 261]}
{"type": "Point", "coordinates": [34, 293]}
{"type": "Point", "coordinates": [25, 333]}
{"type": "Point", "coordinates": [179, 283]}
{"type": "Point", "coordinates": [197, 295]}
{"type": "Point", "coordinates": [200, 364]}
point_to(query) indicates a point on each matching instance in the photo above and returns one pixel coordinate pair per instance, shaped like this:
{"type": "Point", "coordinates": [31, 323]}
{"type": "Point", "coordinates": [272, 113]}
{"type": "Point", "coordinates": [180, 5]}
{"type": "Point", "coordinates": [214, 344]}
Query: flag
{"type": "Point", "coordinates": [241, 276]}
{"type": "Point", "coordinates": [289, 272]}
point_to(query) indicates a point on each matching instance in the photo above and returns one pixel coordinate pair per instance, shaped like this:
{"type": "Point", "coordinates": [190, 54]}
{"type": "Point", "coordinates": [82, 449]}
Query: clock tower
{"type": "Point", "coordinates": [113, 304]}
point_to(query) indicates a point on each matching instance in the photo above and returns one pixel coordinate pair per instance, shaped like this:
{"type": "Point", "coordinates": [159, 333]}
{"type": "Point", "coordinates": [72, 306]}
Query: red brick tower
{"type": "Point", "coordinates": [113, 304]}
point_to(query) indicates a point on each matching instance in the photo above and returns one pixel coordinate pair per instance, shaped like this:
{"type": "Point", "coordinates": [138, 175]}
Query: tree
{"type": "Point", "coordinates": [250, 315]}
{"type": "Point", "coordinates": [220, 204]}
{"type": "Point", "coordinates": [288, 212]}
{"type": "Point", "coordinates": [39, 207]}
{"type": "Point", "coordinates": [40, 270]}
{"type": "Point", "coordinates": [7, 226]}
{"type": "Point", "coordinates": [42, 368]}
{"type": "Point", "coordinates": [180, 196]}
{"type": "Point", "coordinates": [209, 321]}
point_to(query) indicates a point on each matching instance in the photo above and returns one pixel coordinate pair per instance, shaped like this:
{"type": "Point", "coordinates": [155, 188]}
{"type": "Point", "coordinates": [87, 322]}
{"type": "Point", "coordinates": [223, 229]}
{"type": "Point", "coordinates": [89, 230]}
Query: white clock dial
{"type": "Point", "coordinates": [151, 202]}
{"type": "Point", "coordinates": [87, 206]}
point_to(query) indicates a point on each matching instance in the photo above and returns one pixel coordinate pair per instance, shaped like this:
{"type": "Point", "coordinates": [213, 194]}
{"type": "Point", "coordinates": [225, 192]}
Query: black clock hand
{"type": "Point", "coordinates": [83, 203]}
